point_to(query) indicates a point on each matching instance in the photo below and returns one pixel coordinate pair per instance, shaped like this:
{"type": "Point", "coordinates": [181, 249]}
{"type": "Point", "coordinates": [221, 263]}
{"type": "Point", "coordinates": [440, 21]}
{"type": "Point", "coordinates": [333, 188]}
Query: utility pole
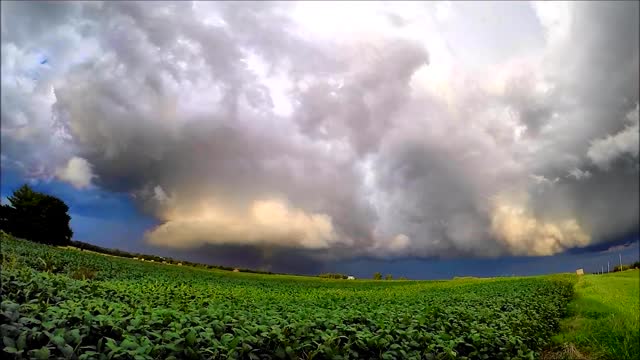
{"type": "Point", "coordinates": [607, 266]}
{"type": "Point", "coordinates": [601, 270]}
{"type": "Point", "coordinates": [620, 255]}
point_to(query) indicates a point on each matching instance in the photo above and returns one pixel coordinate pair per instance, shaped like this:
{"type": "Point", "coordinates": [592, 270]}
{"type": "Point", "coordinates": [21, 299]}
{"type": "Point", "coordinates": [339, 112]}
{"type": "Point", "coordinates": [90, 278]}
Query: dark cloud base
{"type": "Point", "coordinates": [628, 239]}
{"type": "Point", "coordinates": [277, 260]}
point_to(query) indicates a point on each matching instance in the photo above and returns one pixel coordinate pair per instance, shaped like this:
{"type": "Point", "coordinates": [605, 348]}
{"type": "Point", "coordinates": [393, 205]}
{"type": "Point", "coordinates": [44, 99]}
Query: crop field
{"type": "Point", "coordinates": [68, 303]}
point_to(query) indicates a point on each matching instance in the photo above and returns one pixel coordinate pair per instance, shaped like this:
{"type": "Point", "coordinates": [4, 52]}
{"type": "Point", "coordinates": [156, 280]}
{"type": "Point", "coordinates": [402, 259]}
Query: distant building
{"type": "Point", "coordinates": [236, 270]}
{"type": "Point", "coordinates": [179, 264]}
{"type": "Point", "coordinates": [580, 272]}
{"type": "Point", "coordinates": [351, 277]}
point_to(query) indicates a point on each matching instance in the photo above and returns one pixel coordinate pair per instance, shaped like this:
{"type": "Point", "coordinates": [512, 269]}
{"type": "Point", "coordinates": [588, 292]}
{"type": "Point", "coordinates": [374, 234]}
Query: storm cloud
{"type": "Point", "coordinates": [336, 129]}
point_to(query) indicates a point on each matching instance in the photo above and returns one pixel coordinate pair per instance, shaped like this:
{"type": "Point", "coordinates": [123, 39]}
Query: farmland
{"type": "Point", "coordinates": [66, 303]}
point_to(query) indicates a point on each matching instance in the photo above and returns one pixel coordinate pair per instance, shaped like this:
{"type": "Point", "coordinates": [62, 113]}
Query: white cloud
{"type": "Point", "coordinates": [603, 151]}
{"type": "Point", "coordinates": [266, 222]}
{"type": "Point", "coordinates": [541, 180]}
{"type": "Point", "coordinates": [524, 234]}
{"type": "Point", "coordinates": [555, 17]}
{"type": "Point", "coordinates": [159, 194]}
{"type": "Point", "coordinates": [579, 174]}
{"type": "Point", "coordinates": [444, 10]}
{"type": "Point", "coordinates": [400, 242]}
{"type": "Point", "coordinates": [77, 172]}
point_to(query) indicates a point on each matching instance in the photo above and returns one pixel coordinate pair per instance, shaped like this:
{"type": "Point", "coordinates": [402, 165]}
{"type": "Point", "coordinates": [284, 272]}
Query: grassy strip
{"type": "Point", "coordinates": [604, 320]}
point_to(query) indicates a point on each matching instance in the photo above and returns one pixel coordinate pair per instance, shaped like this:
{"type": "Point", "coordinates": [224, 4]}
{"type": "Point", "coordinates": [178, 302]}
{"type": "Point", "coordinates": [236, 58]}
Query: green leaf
{"type": "Point", "coordinates": [191, 338]}
{"type": "Point", "coordinates": [9, 342]}
{"type": "Point", "coordinates": [129, 344]}
{"type": "Point", "coordinates": [173, 347]}
{"type": "Point", "coordinates": [58, 341]}
{"type": "Point", "coordinates": [22, 341]}
{"type": "Point", "coordinates": [111, 345]}
{"type": "Point", "coordinates": [42, 353]}
{"type": "Point", "coordinates": [74, 335]}
{"type": "Point", "coordinates": [11, 350]}
{"type": "Point", "coordinates": [136, 321]}
{"type": "Point", "coordinates": [66, 350]}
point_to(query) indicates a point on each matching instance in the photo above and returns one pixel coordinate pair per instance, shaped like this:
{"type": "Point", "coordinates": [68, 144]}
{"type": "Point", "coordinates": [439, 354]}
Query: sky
{"type": "Point", "coordinates": [424, 139]}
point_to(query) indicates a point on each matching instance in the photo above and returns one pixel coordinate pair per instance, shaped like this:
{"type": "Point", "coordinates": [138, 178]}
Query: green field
{"type": "Point", "coordinates": [605, 318]}
{"type": "Point", "coordinates": [129, 309]}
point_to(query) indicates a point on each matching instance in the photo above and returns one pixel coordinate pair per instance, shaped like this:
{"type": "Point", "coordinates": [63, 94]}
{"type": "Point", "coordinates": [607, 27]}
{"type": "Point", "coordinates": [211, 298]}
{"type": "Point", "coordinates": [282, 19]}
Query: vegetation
{"type": "Point", "coordinates": [605, 318]}
{"type": "Point", "coordinates": [388, 277]}
{"type": "Point", "coordinates": [377, 276]}
{"type": "Point", "coordinates": [130, 309]}
{"type": "Point", "coordinates": [37, 217]}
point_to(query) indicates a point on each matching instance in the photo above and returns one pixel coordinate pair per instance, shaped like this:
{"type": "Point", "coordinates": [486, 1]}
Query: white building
{"type": "Point", "coordinates": [350, 277]}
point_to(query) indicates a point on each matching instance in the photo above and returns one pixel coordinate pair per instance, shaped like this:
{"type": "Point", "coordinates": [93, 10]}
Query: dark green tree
{"type": "Point", "coordinates": [37, 217]}
{"type": "Point", "coordinates": [388, 277]}
{"type": "Point", "coordinates": [377, 276]}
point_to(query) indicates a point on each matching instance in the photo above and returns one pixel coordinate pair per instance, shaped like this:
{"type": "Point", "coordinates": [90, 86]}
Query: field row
{"type": "Point", "coordinates": [134, 310]}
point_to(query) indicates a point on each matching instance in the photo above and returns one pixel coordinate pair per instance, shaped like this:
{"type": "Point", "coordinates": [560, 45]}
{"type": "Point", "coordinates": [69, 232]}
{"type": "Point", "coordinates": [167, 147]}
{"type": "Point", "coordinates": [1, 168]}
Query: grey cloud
{"type": "Point", "coordinates": [278, 260]}
{"type": "Point", "coordinates": [28, 20]}
{"type": "Point", "coordinates": [360, 104]}
{"type": "Point", "coordinates": [604, 151]}
{"type": "Point", "coordinates": [596, 77]}
{"type": "Point", "coordinates": [166, 102]}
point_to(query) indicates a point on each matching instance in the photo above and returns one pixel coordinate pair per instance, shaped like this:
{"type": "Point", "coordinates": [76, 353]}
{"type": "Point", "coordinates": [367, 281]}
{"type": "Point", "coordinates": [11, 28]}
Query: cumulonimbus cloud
{"type": "Point", "coordinates": [392, 132]}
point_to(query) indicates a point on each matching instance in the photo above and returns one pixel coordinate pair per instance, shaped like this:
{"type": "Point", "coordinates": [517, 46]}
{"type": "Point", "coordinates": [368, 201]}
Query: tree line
{"type": "Point", "coordinates": [378, 276]}
{"type": "Point", "coordinates": [635, 265]}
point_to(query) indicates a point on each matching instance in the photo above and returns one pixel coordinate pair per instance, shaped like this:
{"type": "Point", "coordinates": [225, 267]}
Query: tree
{"type": "Point", "coordinates": [388, 277]}
{"type": "Point", "coordinates": [37, 217]}
{"type": "Point", "coordinates": [377, 276]}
